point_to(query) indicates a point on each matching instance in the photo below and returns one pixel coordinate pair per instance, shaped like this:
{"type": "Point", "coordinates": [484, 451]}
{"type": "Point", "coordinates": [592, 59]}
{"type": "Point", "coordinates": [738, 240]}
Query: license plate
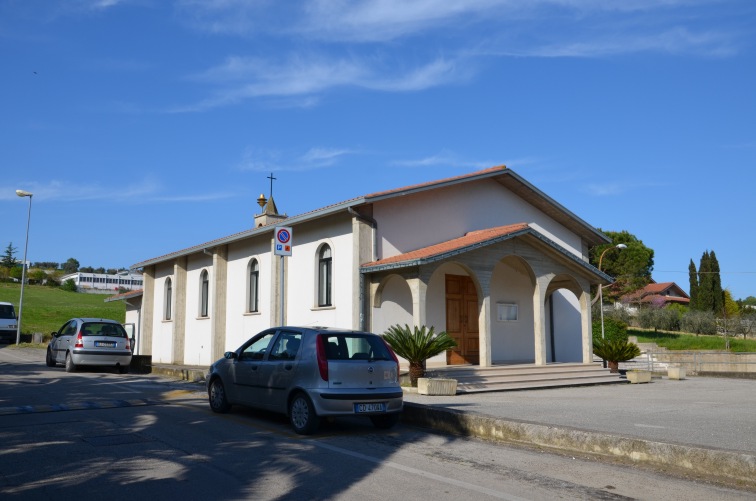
{"type": "Point", "coordinates": [105, 344]}
{"type": "Point", "coordinates": [377, 407]}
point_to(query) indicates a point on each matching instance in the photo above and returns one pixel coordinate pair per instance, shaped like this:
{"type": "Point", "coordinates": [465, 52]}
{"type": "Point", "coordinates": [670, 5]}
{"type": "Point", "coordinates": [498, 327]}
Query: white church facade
{"type": "Point", "coordinates": [485, 256]}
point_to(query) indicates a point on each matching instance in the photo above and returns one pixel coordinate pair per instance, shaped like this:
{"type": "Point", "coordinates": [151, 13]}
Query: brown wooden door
{"type": "Point", "coordinates": [462, 320]}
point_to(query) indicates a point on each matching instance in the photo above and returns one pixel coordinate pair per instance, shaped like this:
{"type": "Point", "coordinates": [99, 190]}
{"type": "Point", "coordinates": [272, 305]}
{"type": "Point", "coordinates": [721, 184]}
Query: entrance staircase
{"type": "Point", "coordinates": [474, 379]}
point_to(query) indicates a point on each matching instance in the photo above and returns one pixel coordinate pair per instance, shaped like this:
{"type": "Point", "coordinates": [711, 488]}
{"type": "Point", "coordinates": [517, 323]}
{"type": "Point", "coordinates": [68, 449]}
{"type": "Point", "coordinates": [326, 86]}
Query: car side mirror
{"type": "Point", "coordinates": [231, 355]}
{"type": "Point", "coordinates": [54, 334]}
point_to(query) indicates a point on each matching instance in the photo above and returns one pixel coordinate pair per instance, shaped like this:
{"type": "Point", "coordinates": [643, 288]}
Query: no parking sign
{"type": "Point", "coordinates": [283, 243]}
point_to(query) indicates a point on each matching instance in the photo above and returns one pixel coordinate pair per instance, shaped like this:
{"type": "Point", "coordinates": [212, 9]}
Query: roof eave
{"type": "Point", "coordinates": [291, 221]}
{"type": "Point", "coordinates": [527, 231]}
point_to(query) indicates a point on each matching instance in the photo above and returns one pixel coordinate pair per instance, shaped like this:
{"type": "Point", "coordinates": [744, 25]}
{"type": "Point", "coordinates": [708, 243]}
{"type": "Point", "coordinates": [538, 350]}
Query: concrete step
{"type": "Point", "coordinates": [525, 376]}
{"type": "Point", "coordinates": [530, 385]}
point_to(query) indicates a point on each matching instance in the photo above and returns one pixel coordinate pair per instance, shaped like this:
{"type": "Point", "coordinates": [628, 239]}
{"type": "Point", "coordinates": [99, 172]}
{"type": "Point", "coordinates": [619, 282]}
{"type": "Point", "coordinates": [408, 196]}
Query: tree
{"type": "Point", "coordinates": [9, 260]}
{"type": "Point", "coordinates": [709, 295]}
{"type": "Point", "coordinates": [693, 279]}
{"type": "Point", "coordinates": [630, 267]}
{"type": "Point", "coordinates": [71, 266]}
{"type": "Point", "coordinates": [416, 346]}
{"type": "Point", "coordinates": [37, 275]}
{"type": "Point", "coordinates": [716, 283]}
{"type": "Point", "coordinates": [69, 285]}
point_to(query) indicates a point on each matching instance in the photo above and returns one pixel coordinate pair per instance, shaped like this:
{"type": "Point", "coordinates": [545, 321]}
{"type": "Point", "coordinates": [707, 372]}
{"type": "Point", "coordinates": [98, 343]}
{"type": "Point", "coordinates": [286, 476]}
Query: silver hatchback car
{"type": "Point", "coordinates": [90, 341]}
{"type": "Point", "coordinates": [308, 373]}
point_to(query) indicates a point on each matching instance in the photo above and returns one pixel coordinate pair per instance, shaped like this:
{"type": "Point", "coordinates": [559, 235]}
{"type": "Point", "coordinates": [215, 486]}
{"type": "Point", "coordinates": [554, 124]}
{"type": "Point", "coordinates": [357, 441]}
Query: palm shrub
{"type": "Point", "coordinates": [416, 345]}
{"type": "Point", "coordinates": [615, 351]}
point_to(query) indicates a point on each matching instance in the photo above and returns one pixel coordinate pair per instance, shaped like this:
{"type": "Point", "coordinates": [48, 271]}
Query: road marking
{"type": "Point", "coordinates": [76, 406]}
{"type": "Point", "coordinates": [649, 426]}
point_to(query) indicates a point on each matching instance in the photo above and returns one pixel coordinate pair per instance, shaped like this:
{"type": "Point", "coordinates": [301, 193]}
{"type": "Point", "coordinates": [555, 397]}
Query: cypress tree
{"type": "Point", "coordinates": [693, 278]}
{"type": "Point", "coordinates": [716, 285]}
{"type": "Point", "coordinates": [705, 298]}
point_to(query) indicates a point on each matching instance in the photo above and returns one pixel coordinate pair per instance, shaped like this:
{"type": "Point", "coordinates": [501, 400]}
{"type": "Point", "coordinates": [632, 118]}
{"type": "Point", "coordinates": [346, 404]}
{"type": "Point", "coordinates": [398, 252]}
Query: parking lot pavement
{"type": "Point", "coordinates": [700, 411]}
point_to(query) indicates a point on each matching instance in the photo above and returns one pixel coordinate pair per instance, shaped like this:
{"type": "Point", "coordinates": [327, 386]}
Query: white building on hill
{"type": "Point", "coordinates": [105, 283]}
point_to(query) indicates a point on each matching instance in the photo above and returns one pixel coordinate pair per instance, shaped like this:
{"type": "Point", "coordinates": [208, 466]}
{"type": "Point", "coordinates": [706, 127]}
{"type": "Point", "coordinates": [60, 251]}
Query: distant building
{"type": "Point", "coordinates": [661, 294]}
{"type": "Point", "coordinates": [105, 283]}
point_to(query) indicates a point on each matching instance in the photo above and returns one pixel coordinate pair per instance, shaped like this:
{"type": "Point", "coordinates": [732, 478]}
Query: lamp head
{"type": "Point", "coordinates": [22, 193]}
{"type": "Point", "coordinates": [621, 246]}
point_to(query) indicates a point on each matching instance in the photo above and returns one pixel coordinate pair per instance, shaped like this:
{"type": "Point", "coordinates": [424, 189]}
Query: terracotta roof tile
{"type": "Point", "coordinates": [469, 239]}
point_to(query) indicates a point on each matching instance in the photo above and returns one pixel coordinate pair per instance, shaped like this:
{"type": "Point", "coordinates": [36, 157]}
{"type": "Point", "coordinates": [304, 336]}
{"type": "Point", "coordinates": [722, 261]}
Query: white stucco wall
{"type": "Point", "coordinates": [240, 324]}
{"type": "Point", "coordinates": [162, 330]}
{"type": "Point", "coordinates": [302, 268]}
{"type": "Point", "coordinates": [567, 327]}
{"type": "Point", "coordinates": [395, 307]}
{"type": "Point", "coordinates": [448, 213]}
{"type": "Point", "coordinates": [512, 340]}
{"type": "Point", "coordinates": [197, 341]}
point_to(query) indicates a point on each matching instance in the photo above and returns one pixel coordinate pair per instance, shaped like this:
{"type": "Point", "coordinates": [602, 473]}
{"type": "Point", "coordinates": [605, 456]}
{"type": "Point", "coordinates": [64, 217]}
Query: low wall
{"type": "Point", "coordinates": [706, 362]}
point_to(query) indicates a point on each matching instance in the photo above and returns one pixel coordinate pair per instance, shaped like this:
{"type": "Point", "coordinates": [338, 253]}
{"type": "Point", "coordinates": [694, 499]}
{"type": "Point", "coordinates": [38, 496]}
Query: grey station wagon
{"type": "Point", "coordinates": [90, 341]}
{"type": "Point", "coordinates": [310, 373]}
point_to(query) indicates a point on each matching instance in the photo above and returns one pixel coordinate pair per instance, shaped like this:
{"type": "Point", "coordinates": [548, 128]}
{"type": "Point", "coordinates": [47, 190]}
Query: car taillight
{"type": "Point", "coordinates": [322, 359]}
{"type": "Point", "coordinates": [79, 341]}
{"type": "Point", "coordinates": [128, 344]}
{"type": "Point", "coordinates": [393, 355]}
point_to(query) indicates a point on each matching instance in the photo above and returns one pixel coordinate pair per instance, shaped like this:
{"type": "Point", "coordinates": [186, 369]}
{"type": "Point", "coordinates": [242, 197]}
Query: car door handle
{"type": "Point", "coordinates": [288, 367]}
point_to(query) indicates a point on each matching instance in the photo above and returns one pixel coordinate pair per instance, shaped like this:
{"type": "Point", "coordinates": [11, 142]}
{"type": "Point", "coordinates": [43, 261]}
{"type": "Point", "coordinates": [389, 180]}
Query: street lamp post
{"type": "Point", "coordinates": [22, 193]}
{"type": "Point", "coordinates": [601, 287]}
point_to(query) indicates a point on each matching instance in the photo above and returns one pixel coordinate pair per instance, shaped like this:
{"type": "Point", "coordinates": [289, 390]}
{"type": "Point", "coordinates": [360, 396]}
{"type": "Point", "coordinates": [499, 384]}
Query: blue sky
{"type": "Point", "coordinates": [146, 126]}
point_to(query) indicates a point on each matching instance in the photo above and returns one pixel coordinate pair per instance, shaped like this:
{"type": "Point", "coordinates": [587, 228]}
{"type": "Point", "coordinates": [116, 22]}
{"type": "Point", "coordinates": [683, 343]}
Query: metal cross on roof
{"type": "Point", "coordinates": [271, 184]}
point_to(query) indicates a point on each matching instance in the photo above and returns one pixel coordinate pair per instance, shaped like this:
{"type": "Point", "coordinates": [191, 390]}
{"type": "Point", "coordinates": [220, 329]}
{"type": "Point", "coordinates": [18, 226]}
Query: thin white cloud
{"type": "Point", "coordinates": [673, 41]}
{"type": "Point", "coordinates": [258, 160]}
{"type": "Point", "coordinates": [604, 189]}
{"type": "Point", "coordinates": [443, 158]}
{"type": "Point", "coordinates": [244, 78]}
{"type": "Point", "coordinates": [70, 192]}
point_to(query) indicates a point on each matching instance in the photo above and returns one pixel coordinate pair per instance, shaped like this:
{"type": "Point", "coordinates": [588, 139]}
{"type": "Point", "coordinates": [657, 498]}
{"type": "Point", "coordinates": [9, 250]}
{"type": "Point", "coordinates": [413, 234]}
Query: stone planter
{"type": "Point", "coordinates": [433, 386]}
{"type": "Point", "coordinates": [639, 376]}
{"type": "Point", "coordinates": [676, 372]}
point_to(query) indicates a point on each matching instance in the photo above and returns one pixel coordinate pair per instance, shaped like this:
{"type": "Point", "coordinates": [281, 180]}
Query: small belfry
{"type": "Point", "coordinates": [269, 212]}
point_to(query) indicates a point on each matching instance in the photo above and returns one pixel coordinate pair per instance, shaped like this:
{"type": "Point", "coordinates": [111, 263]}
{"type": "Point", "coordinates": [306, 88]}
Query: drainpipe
{"type": "Point", "coordinates": [374, 227]}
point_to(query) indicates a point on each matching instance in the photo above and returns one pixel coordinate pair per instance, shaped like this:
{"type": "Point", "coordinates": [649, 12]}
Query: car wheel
{"type": "Point", "coordinates": [217, 397]}
{"type": "Point", "coordinates": [385, 421]}
{"type": "Point", "coordinates": [302, 415]}
{"type": "Point", "coordinates": [123, 369]}
{"type": "Point", "coordinates": [70, 367]}
{"type": "Point", "coordinates": [49, 360]}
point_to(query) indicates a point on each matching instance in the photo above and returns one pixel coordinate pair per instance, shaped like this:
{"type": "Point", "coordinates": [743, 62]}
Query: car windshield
{"type": "Point", "coordinates": [103, 329]}
{"type": "Point", "coordinates": [355, 346]}
{"type": "Point", "coordinates": [6, 311]}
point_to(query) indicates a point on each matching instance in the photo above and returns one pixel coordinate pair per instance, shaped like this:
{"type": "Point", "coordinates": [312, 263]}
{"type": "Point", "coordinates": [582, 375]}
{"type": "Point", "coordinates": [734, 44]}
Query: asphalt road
{"type": "Point", "coordinates": [100, 435]}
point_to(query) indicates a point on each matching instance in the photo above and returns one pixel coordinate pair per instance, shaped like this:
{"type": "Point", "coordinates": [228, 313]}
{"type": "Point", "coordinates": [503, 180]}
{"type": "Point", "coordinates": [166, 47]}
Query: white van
{"type": "Point", "coordinates": [8, 325]}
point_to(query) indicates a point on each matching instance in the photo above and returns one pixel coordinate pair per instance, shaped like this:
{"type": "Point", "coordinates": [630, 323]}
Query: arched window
{"type": "Point", "coordinates": [204, 293]}
{"type": "Point", "coordinates": [253, 286]}
{"type": "Point", "coordinates": [167, 299]}
{"type": "Point", "coordinates": [325, 275]}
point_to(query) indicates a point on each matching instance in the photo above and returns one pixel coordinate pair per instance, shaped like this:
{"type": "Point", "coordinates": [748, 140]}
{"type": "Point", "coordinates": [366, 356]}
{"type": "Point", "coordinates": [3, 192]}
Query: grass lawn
{"type": "Point", "coordinates": [686, 342]}
{"type": "Point", "coordinates": [46, 309]}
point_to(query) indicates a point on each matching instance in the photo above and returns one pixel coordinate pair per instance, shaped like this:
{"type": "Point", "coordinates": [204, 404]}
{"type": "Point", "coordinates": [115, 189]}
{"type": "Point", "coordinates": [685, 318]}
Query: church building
{"type": "Point", "coordinates": [485, 256]}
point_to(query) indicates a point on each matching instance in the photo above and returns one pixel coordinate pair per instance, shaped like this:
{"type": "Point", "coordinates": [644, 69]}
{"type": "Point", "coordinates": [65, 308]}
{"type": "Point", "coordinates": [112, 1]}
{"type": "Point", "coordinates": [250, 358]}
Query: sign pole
{"type": "Point", "coordinates": [281, 292]}
{"type": "Point", "coordinates": [282, 247]}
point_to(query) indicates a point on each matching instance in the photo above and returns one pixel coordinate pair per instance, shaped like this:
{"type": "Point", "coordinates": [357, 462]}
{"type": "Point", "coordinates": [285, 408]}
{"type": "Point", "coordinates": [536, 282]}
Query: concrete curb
{"type": "Point", "coordinates": [740, 467]}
